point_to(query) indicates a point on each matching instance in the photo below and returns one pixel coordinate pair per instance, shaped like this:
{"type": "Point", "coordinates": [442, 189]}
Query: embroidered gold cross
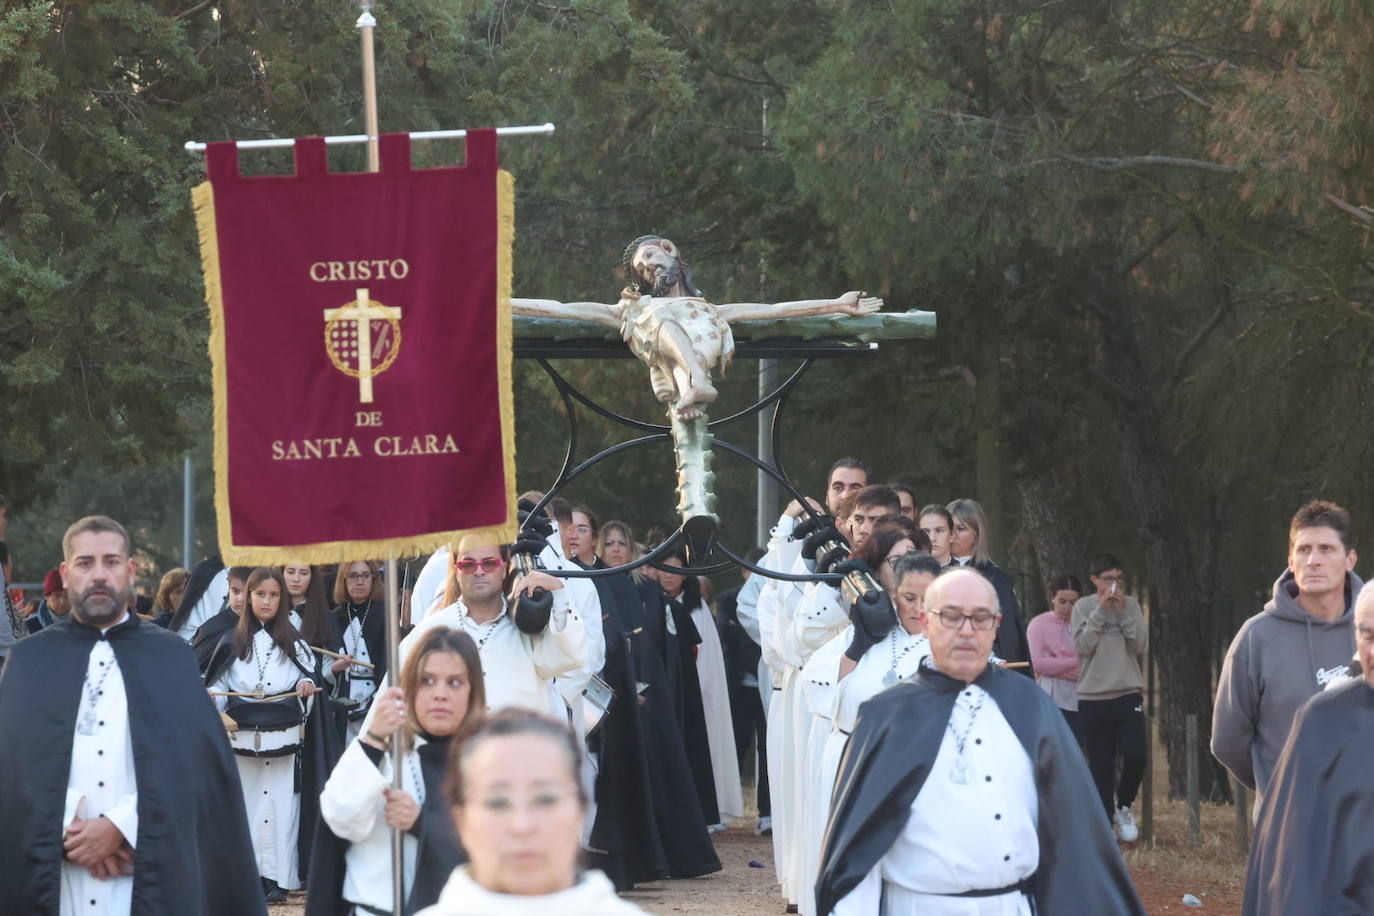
{"type": "Point", "coordinates": [363, 311]}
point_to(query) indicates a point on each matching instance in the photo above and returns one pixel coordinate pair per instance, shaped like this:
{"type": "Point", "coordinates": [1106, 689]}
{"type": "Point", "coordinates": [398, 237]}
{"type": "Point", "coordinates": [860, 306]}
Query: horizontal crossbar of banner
{"type": "Point", "coordinates": [346, 139]}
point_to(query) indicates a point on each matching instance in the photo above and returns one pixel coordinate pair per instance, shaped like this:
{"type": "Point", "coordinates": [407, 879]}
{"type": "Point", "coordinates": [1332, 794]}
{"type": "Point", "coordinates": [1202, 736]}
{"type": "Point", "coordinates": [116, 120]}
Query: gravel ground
{"type": "Point", "coordinates": [736, 889]}
{"type": "Point", "coordinates": [739, 890]}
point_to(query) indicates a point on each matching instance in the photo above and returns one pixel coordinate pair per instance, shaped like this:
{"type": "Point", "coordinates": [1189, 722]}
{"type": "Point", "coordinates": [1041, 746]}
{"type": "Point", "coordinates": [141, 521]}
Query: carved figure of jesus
{"type": "Point", "coordinates": [673, 329]}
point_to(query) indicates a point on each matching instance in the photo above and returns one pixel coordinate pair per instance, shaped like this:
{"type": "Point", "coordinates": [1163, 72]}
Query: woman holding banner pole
{"type": "Point", "coordinates": [441, 690]}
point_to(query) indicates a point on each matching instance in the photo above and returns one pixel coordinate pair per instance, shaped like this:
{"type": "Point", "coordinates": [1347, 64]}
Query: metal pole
{"type": "Point", "coordinates": [366, 25]}
{"type": "Point", "coordinates": [398, 741]}
{"type": "Point", "coordinates": [188, 509]}
{"type": "Point", "coordinates": [528, 130]}
{"type": "Point", "coordinates": [766, 489]}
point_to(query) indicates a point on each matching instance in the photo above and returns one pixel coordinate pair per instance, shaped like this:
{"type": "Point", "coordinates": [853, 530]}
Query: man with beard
{"type": "Point", "coordinates": [1313, 845]}
{"type": "Point", "coordinates": [137, 806]}
{"type": "Point", "coordinates": [671, 327]}
{"type": "Point", "coordinates": [962, 791]}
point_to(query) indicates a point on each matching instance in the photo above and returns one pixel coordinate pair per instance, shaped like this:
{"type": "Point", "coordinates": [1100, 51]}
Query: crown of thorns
{"type": "Point", "coordinates": [627, 260]}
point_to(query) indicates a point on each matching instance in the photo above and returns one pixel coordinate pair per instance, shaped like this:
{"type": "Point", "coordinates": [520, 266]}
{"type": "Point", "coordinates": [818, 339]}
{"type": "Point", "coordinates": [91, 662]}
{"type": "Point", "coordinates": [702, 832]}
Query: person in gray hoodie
{"type": "Point", "coordinates": [1288, 652]}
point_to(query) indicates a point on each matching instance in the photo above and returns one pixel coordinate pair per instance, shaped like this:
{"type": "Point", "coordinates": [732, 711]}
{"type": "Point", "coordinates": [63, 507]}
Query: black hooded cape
{"type": "Point", "coordinates": [193, 852]}
{"type": "Point", "coordinates": [890, 754]}
{"type": "Point", "coordinates": [678, 814]}
{"type": "Point", "coordinates": [438, 851]}
{"type": "Point", "coordinates": [625, 835]}
{"type": "Point", "coordinates": [1314, 844]}
{"type": "Point", "coordinates": [680, 659]}
{"type": "Point", "coordinates": [208, 634]}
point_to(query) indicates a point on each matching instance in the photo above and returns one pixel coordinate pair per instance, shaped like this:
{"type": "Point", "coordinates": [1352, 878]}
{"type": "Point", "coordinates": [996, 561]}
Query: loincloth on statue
{"type": "Point", "coordinates": [642, 321]}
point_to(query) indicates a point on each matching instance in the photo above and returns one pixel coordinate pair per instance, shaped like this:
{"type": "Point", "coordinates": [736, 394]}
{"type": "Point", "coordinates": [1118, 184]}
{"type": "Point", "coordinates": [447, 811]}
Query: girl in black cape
{"type": "Point", "coordinates": [625, 840]}
{"type": "Point", "coordinates": [678, 815]}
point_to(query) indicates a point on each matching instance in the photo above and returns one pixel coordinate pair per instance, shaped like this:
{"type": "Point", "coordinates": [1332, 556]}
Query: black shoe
{"type": "Point", "coordinates": [274, 893]}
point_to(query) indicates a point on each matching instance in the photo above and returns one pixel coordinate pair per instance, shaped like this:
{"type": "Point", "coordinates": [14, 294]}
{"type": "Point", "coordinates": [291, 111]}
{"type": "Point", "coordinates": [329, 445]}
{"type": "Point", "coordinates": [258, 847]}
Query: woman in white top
{"type": "Point", "coordinates": [518, 806]}
{"type": "Point", "coordinates": [264, 656]}
{"type": "Point", "coordinates": [440, 691]}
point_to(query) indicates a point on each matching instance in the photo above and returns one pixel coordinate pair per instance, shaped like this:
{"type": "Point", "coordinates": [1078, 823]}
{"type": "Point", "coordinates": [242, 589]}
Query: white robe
{"type": "Point", "coordinates": [517, 669]}
{"type": "Point", "coordinates": [361, 686]}
{"type": "Point", "coordinates": [975, 836]}
{"type": "Point", "coordinates": [820, 680]}
{"type": "Point", "coordinates": [796, 731]}
{"type": "Point", "coordinates": [101, 781]}
{"type": "Point", "coordinates": [715, 703]}
{"type": "Point", "coordinates": [777, 601]}
{"type": "Point", "coordinates": [269, 783]}
{"type": "Point", "coordinates": [592, 895]}
{"type": "Point", "coordinates": [354, 807]}
{"type": "Point", "coordinates": [208, 606]}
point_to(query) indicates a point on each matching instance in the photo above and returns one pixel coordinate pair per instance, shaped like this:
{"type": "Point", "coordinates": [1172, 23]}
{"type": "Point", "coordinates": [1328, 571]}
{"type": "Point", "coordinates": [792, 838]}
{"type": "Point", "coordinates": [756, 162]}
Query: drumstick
{"type": "Point", "coordinates": [234, 693]}
{"type": "Point", "coordinates": [1016, 664]}
{"type": "Point", "coordinates": [337, 655]}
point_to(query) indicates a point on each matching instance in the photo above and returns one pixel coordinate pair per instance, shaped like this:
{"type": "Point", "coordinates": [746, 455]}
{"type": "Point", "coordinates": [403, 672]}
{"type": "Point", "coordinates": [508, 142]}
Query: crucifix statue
{"type": "Point", "coordinates": [682, 337]}
{"type": "Point", "coordinates": [360, 313]}
{"type": "Point", "coordinates": [671, 327]}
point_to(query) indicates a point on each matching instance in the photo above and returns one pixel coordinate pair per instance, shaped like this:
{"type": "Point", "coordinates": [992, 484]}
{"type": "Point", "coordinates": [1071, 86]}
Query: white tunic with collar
{"type": "Point", "coordinates": [517, 669]}
{"type": "Point", "coordinates": [269, 783]}
{"type": "Point", "coordinates": [959, 837]}
{"type": "Point", "coordinates": [354, 807]}
{"type": "Point", "coordinates": [101, 781]}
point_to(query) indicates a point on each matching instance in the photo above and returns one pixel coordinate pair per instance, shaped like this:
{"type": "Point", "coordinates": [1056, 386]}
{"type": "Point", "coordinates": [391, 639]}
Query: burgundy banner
{"type": "Point", "coordinates": [360, 335]}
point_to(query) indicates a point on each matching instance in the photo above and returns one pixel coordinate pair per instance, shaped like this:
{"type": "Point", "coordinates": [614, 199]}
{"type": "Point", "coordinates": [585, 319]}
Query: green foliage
{"type": "Point", "coordinates": [1032, 171]}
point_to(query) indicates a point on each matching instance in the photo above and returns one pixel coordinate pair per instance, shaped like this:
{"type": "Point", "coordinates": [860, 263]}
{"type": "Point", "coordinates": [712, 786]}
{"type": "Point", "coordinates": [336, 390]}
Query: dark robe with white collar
{"type": "Point", "coordinates": [895, 743]}
{"type": "Point", "coordinates": [193, 853]}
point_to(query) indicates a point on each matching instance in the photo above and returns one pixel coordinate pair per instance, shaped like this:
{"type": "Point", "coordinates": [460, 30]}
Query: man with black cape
{"type": "Point", "coordinates": [1314, 844]}
{"type": "Point", "coordinates": [121, 795]}
{"type": "Point", "coordinates": [963, 791]}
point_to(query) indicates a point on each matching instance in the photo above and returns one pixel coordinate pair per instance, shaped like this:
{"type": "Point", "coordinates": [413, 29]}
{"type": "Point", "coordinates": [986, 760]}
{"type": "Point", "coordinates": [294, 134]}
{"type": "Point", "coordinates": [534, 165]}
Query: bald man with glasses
{"type": "Point", "coordinates": [961, 791]}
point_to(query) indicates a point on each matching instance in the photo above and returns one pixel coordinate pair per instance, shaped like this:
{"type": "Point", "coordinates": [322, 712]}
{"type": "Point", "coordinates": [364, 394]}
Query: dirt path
{"type": "Point", "coordinates": [741, 890]}
{"type": "Point", "coordinates": [735, 889]}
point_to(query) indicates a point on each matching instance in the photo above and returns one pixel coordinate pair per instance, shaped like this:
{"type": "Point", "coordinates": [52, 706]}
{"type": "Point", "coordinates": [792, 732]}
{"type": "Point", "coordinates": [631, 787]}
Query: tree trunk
{"type": "Point", "coordinates": [1181, 649]}
{"type": "Point", "coordinates": [1055, 549]}
{"type": "Point", "coordinates": [988, 425]}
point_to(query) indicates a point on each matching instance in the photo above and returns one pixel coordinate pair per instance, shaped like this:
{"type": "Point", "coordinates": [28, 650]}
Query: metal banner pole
{"type": "Point", "coordinates": [366, 25]}
{"type": "Point", "coordinates": [398, 741]}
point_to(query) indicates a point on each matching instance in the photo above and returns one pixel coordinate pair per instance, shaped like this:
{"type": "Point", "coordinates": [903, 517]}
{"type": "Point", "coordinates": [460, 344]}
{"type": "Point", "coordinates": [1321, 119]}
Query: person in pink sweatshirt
{"type": "Point", "coordinates": [1052, 650]}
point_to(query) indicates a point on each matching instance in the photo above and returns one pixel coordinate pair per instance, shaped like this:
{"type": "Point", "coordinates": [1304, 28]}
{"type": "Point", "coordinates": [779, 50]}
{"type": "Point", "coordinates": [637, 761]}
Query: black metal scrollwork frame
{"type": "Point", "coordinates": [809, 351]}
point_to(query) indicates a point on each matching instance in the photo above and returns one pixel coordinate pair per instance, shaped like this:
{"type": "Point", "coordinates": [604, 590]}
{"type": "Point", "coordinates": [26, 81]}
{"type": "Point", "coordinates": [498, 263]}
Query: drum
{"type": "Point", "coordinates": [274, 728]}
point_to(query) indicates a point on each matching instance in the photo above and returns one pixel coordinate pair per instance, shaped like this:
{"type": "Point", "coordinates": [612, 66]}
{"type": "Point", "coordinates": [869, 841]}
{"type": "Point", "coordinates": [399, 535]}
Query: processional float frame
{"type": "Point", "coordinates": [543, 339]}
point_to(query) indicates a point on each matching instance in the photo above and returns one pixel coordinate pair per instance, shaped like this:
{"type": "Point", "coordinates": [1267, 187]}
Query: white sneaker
{"type": "Point", "coordinates": [715, 828]}
{"type": "Point", "coordinates": [1125, 825]}
{"type": "Point", "coordinates": [765, 826]}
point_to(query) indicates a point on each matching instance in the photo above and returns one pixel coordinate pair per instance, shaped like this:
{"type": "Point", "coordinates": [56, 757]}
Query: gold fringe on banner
{"type": "Point", "coordinates": [203, 198]}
